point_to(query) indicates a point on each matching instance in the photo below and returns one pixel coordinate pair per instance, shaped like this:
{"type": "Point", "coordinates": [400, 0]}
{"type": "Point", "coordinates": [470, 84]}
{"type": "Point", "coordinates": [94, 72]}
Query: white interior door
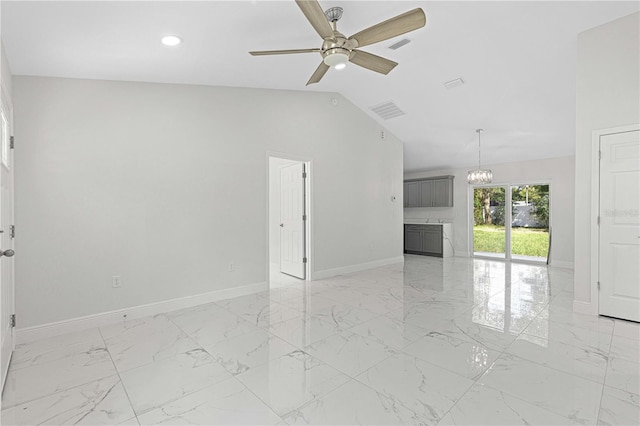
{"type": "Point", "coordinates": [6, 244]}
{"type": "Point", "coordinates": [292, 220]}
{"type": "Point", "coordinates": [619, 271]}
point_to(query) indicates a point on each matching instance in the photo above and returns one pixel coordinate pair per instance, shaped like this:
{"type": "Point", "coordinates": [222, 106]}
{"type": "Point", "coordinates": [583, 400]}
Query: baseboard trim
{"type": "Point", "coordinates": [327, 273]}
{"type": "Point", "coordinates": [587, 308]}
{"type": "Point", "coordinates": [561, 264]}
{"type": "Point", "coordinates": [38, 332]}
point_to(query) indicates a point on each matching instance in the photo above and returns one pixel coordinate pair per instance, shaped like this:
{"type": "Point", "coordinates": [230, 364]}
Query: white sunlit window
{"type": "Point", "coordinates": [5, 139]}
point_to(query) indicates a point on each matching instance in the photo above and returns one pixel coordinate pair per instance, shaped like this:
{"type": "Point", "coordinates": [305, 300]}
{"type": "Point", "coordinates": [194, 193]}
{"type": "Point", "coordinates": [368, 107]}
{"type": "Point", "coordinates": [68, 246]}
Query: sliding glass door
{"type": "Point", "coordinates": [530, 222]}
{"type": "Point", "coordinates": [489, 236]}
{"type": "Point", "coordinates": [520, 232]}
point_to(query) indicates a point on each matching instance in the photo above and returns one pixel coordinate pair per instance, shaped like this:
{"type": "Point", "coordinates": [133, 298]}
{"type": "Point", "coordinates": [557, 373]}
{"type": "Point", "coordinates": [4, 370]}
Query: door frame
{"type": "Point", "coordinates": [595, 211]}
{"type": "Point", "coordinates": [308, 162]}
{"type": "Point", "coordinates": [7, 106]}
{"type": "Point", "coordinates": [508, 216]}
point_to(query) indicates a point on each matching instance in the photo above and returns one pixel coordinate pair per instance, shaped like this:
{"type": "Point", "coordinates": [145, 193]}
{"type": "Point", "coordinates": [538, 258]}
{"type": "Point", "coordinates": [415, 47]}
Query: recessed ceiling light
{"type": "Point", "coordinates": [171, 40]}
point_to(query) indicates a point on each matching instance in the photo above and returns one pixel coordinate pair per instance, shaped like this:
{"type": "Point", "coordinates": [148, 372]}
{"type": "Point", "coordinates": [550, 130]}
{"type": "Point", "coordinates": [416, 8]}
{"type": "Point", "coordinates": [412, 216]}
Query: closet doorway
{"type": "Point", "coordinates": [289, 231]}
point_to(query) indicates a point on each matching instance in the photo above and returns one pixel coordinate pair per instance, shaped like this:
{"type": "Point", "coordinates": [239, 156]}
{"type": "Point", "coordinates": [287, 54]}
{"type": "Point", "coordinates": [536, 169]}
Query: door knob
{"type": "Point", "coordinates": [7, 253]}
{"type": "Point", "coordinates": [282, 225]}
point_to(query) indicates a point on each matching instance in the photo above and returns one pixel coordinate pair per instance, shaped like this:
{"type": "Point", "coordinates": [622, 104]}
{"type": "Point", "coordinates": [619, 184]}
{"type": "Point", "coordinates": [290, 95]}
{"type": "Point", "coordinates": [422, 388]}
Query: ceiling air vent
{"type": "Point", "coordinates": [387, 110]}
{"type": "Point", "coordinates": [453, 83]}
{"type": "Point", "coordinates": [399, 44]}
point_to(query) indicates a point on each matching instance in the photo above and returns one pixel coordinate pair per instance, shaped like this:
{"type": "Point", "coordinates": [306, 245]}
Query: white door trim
{"type": "Point", "coordinates": [593, 307]}
{"type": "Point", "coordinates": [308, 161]}
{"type": "Point", "coordinates": [7, 108]}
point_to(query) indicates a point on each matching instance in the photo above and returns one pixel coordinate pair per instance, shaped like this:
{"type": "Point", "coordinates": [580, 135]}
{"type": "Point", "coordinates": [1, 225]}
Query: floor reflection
{"type": "Point", "coordinates": [509, 296]}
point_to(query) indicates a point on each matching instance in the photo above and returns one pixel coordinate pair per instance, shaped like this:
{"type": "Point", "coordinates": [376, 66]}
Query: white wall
{"type": "Point", "coordinates": [274, 207]}
{"type": "Point", "coordinates": [607, 96]}
{"type": "Point", "coordinates": [165, 185]}
{"type": "Point", "coordinates": [559, 172]}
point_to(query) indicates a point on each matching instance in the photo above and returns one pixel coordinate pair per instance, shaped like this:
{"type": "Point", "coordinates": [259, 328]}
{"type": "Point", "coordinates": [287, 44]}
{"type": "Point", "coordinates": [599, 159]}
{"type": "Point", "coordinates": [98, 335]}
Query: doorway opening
{"type": "Point", "coordinates": [289, 242]}
{"type": "Point", "coordinates": [520, 232]}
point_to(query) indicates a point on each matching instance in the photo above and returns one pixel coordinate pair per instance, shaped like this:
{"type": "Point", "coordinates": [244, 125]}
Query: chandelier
{"type": "Point", "coordinates": [479, 177]}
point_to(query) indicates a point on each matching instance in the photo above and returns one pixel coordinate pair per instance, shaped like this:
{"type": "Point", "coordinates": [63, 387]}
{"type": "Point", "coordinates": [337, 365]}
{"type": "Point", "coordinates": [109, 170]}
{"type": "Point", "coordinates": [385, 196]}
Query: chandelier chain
{"type": "Point", "coordinates": [479, 131]}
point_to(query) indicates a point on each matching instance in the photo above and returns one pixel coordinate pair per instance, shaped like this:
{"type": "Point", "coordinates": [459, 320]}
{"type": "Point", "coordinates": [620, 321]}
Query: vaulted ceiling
{"type": "Point", "coordinates": [517, 60]}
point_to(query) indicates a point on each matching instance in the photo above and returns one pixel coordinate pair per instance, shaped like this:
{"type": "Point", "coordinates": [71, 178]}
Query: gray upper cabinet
{"type": "Point", "coordinates": [426, 193]}
{"type": "Point", "coordinates": [432, 192]}
{"type": "Point", "coordinates": [411, 194]}
{"type": "Point", "coordinates": [443, 192]}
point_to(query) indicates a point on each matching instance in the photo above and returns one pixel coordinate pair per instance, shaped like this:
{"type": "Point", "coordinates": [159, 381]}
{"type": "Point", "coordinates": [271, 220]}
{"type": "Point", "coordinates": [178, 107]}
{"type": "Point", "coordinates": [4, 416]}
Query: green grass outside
{"type": "Point", "coordinates": [524, 241]}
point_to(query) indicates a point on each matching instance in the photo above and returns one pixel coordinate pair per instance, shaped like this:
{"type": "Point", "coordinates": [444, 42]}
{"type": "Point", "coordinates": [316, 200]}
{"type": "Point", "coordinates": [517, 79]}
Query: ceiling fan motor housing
{"type": "Point", "coordinates": [336, 51]}
{"type": "Point", "coordinates": [338, 43]}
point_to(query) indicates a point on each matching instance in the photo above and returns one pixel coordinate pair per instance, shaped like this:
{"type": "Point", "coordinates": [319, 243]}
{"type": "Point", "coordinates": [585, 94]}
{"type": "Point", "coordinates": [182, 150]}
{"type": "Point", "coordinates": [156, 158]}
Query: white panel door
{"type": "Point", "coordinates": [619, 274]}
{"type": "Point", "coordinates": [292, 220]}
{"type": "Point", "coordinates": [6, 245]}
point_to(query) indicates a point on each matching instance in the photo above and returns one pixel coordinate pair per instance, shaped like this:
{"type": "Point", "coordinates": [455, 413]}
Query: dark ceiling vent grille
{"type": "Point", "coordinates": [387, 110]}
{"type": "Point", "coordinates": [397, 45]}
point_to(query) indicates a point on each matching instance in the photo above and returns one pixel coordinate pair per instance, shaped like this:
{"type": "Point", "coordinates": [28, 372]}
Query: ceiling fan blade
{"type": "Point", "coordinates": [372, 62]}
{"type": "Point", "coordinates": [318, 73]}
{"type": "Point", "coordinates": [282, 52]}
{"type": "Point", "coordinates": [390, 28]}
{"type": "Point", "coordinates": [315, 15]}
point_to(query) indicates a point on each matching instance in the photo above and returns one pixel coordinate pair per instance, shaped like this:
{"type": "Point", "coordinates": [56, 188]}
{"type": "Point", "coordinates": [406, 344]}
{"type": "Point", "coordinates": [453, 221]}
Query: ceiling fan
{"type": "Point", "coordinates": [337, 49]}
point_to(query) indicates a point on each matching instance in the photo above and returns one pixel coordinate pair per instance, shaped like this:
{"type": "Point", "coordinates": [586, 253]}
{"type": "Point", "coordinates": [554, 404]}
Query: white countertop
{"type": "Point", "coordinates": [415, 222]}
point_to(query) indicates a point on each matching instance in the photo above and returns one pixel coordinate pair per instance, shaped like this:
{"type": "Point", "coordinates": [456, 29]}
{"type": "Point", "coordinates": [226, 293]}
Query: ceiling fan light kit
{"type": "Point", "coordinates": [479, 177]}
{"type": "Point", "coordinates": [337, 58]}
{"type": "Point", "coordinates": [337, 49]}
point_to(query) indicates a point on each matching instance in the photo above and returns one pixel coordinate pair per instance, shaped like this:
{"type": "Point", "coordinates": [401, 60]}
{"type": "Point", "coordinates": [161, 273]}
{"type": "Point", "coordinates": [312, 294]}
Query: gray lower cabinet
{"type": "Point", "coordinates": [432, 240]}
{"type": "Point", "coordinates": [423, 239]}
{"type": "Point", "coordinates": [432, 192]}
{"type": "Point", "coordinates": [412, 238]}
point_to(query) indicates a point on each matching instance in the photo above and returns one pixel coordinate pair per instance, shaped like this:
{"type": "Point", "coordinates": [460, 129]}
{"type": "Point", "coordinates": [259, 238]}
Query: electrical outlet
{"type": "Point", "coordinates": [230, 267]}
{"type": "Point", "coordinates": [116, 281]}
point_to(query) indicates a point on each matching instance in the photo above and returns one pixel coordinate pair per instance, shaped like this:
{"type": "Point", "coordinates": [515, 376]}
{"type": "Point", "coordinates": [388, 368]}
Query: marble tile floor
{"type": "Point", "coordinates": [431, 342]}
